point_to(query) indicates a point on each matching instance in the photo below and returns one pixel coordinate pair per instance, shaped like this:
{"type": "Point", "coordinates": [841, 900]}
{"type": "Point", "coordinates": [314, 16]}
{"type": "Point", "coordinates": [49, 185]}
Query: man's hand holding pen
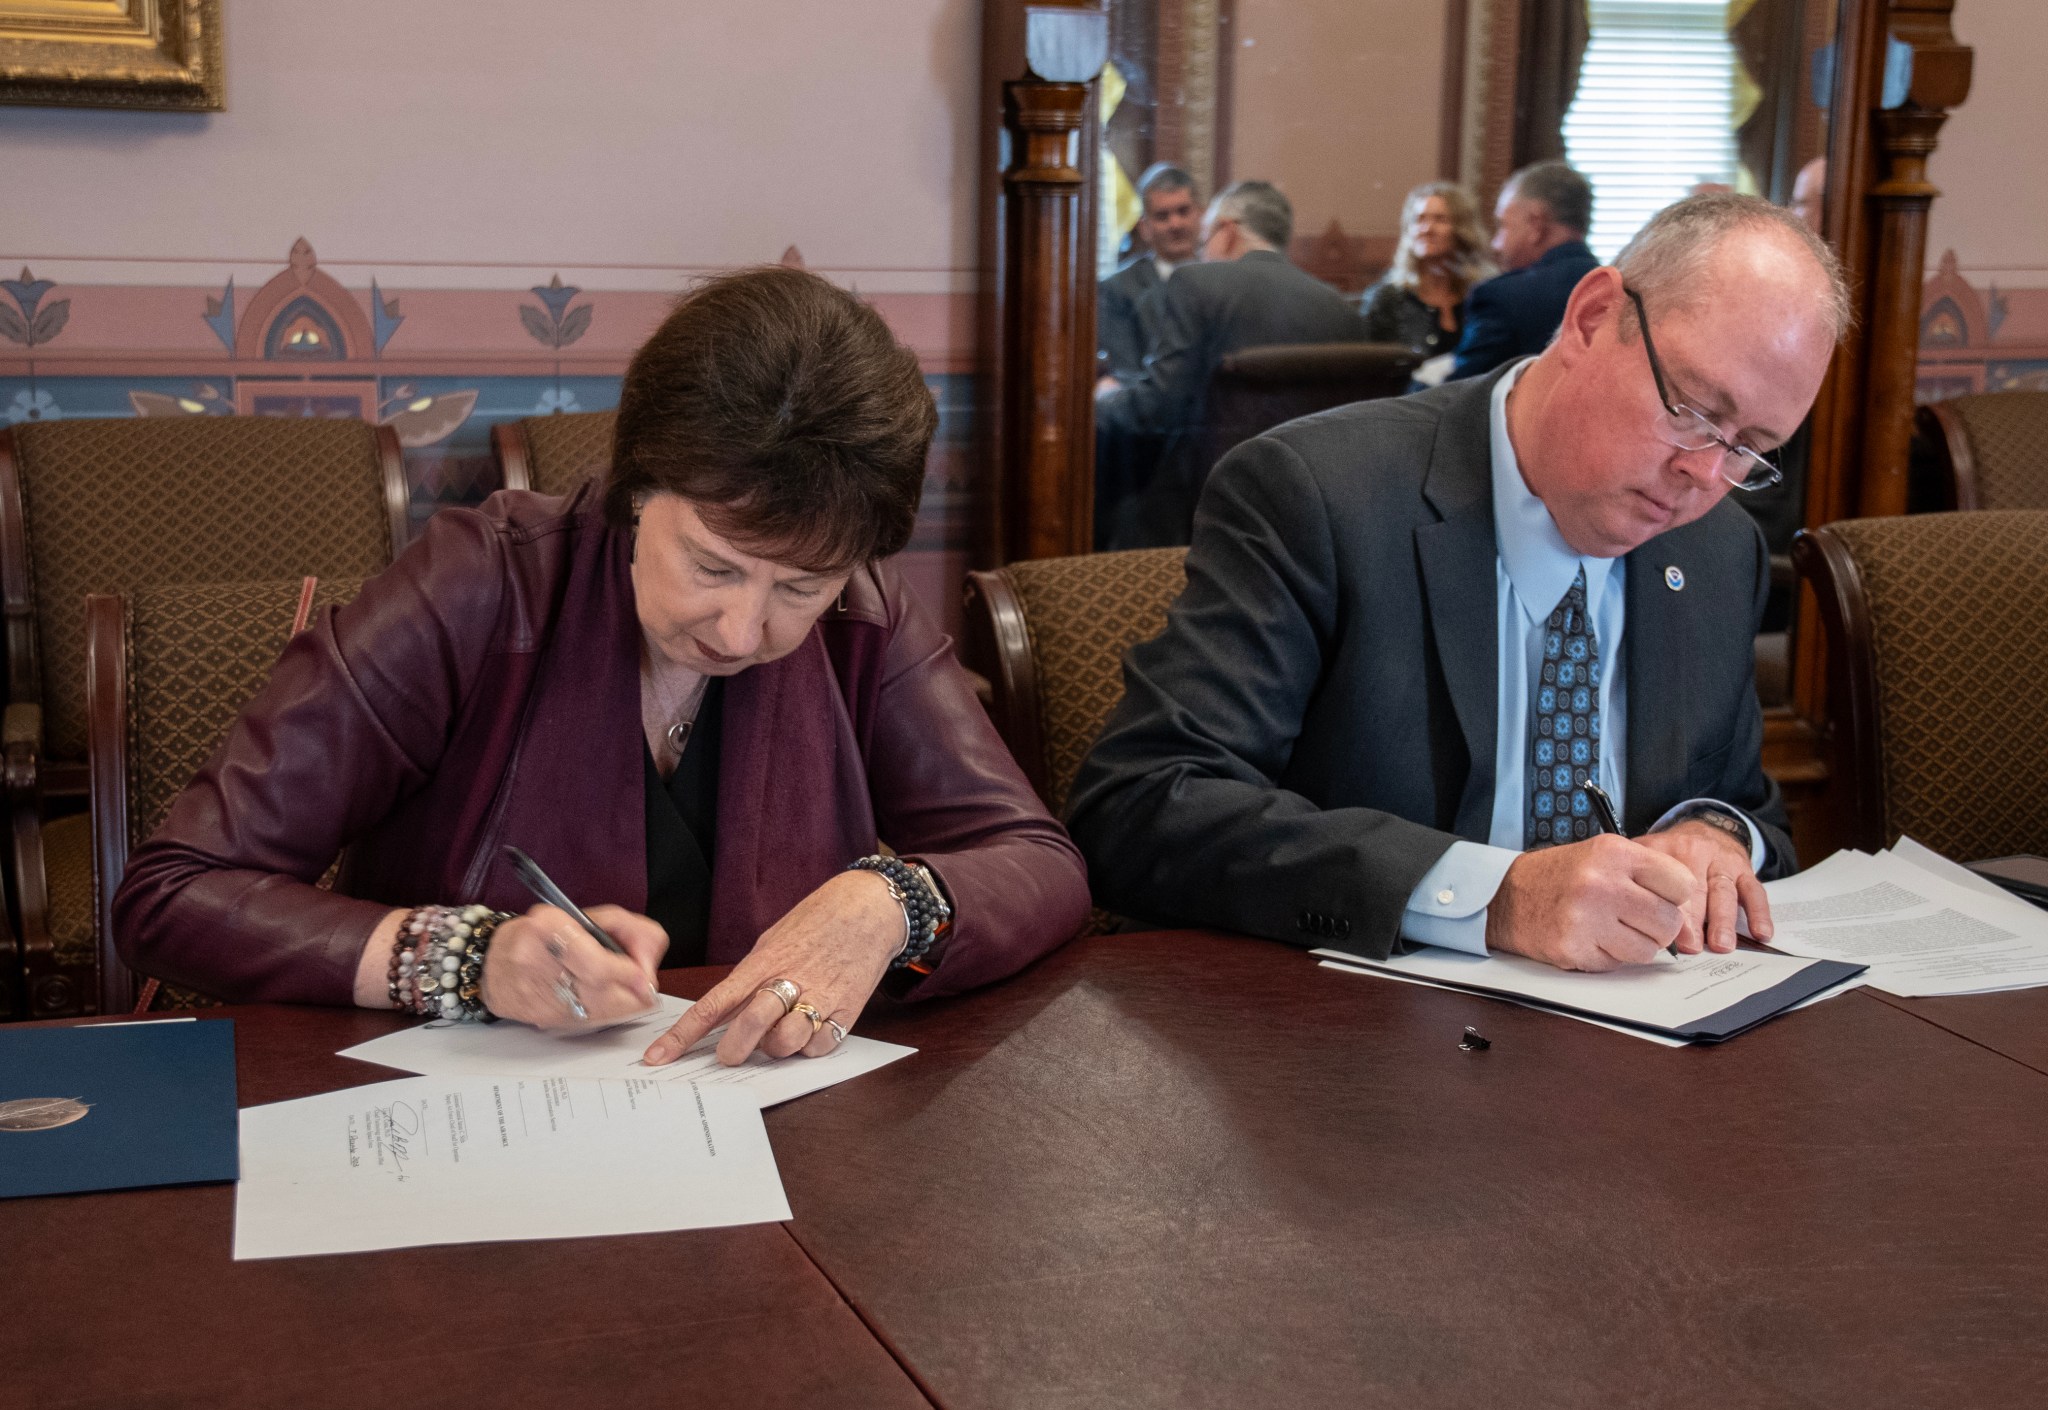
{"type": "Point", "coordinates": [1609, 901]}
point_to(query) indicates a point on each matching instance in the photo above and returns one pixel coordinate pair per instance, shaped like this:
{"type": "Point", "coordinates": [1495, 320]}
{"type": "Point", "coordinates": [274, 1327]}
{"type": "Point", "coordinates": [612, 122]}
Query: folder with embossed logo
{"type": "Point", "coordinates": [116, 1106]}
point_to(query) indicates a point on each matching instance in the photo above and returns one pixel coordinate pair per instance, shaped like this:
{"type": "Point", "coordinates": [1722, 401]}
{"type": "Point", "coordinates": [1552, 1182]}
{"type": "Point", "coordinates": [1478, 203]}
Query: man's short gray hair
{"type": "Point", "coordinates": [1568, 195]}
{"type": "Point", "coordinates": [1668, 255]}
{"type": "Point", "coordinates": [1165, 176]}
{"type": "Point", "coordinates": [1259, 207]}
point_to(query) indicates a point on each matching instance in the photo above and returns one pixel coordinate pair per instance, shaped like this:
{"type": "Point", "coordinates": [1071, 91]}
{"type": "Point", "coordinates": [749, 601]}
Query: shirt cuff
{"type": "Point", "coordinates": [1757, 851]}
{"type": "Point", "coordinates": [1448, 906]}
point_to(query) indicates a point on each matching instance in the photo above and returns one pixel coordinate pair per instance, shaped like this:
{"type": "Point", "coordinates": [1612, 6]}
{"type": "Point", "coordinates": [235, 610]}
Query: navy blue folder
{"type": "Point", "coordinates": [162, 1099]}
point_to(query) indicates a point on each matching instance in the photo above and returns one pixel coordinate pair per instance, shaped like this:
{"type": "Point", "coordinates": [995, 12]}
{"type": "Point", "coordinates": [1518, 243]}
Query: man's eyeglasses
{"type": "Point", "coordinates": [1686, 429]}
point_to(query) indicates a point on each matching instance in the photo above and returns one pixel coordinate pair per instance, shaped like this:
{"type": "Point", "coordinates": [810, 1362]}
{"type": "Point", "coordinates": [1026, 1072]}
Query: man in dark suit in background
{"type": "Point", "coordinates": [1126, 304]}
{"type": "Point", "coordinates": [1244, 294]}
{"type": "Point", "coordinates": [1418, 632]}
{"type": "Point", "coordinates": [1127, 324]}
{"type": "Point", "coordinates": [1540, 226]}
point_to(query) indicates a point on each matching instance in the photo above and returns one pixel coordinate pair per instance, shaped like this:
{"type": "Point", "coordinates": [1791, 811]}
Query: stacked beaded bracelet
{"type": "Point", "coordinates": [926, 916]}
{"type": "Point", "coordinates": [437, 961]}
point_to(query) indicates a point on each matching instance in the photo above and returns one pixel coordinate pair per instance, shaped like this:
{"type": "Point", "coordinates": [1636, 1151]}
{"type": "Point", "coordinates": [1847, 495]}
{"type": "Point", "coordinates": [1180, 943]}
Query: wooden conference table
{"type": "Point", "coordinates": [1178, 1170]}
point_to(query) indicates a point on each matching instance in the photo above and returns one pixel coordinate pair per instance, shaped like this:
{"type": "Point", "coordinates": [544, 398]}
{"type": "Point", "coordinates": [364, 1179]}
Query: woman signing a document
{"type": "Point", "coordinates": [695, 690]}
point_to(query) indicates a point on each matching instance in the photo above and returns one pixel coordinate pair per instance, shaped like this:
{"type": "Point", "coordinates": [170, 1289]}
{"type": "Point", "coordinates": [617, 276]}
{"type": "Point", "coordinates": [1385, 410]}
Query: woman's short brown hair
{"type": "Point", "coordinates": [785, 411]}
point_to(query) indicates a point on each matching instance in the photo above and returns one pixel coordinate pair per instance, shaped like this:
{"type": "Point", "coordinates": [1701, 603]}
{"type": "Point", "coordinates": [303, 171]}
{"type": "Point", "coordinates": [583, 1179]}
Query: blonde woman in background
{"type": "Point", "coordinates": [1420, 300]}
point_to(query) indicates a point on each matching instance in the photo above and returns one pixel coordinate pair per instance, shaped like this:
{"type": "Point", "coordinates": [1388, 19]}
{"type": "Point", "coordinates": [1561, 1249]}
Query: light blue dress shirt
{"type": "Point", "coordinates": [1533, 568]}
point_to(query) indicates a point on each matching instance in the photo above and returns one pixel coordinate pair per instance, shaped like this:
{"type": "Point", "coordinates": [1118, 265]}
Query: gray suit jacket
{"type": "Point", "coordinates": [1127, 315]}
{"type": "Point", "coordinates": [1316, 725]}
{"type": "Point", "coordinates": [1205, 312]}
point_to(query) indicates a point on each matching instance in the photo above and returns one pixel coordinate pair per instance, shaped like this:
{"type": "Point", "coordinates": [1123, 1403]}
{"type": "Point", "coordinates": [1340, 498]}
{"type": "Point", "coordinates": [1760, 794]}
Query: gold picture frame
{"type": "Point", "coordinates": [158, 54]}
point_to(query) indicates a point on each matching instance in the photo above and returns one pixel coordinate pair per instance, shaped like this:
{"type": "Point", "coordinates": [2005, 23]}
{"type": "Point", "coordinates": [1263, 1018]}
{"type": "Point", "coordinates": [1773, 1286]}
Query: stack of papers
{"type": "Point", "coordinates": [512, 1133]}
{"type": "Point", "coordinates": [1923, 924]}
{"type": "Point", "coordinates": [1675, 999]}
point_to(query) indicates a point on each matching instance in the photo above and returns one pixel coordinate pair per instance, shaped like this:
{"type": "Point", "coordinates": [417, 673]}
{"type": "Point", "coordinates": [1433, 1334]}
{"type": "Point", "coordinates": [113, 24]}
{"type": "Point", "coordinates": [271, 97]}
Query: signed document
{"type": "Point", "coordinates": [496, 1049]}
{"type": "Point", "coordinates": [437, 1160]}
{"type": "Point", "coordinates": [1700, 998]}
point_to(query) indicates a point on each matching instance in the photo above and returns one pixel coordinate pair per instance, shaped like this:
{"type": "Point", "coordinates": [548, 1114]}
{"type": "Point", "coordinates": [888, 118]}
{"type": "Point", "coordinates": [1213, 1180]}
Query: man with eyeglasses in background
{"type": "Point", "coordinates": [1425, 640]}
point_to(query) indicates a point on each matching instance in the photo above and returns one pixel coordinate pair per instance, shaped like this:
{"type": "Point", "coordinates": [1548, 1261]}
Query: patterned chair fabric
{"type": "Point", "coordinates": [2006, 434]}
{"type": "Point", "coordinates": [67, 875]}
{"type": "Point", "coordinates": [565, 450]}
{"type": "Point", "coordinates": [114, 506]}
{"type": "Point", "coordinates": [1083, 615]}
{"type": "Point", "coordinates": [195, 656]}
{"type": "Point", "coordinates": [1957, 654]}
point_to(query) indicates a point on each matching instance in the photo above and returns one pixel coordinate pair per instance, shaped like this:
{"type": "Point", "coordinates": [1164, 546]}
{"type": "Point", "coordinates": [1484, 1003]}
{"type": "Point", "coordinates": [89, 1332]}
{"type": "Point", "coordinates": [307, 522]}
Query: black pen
{"type": "Point", "coordinates": [543, 886]}
{"type": "Point", "coordinates": [1603, 809]}
{"type": "Point", "coordinates": [1603, 815]}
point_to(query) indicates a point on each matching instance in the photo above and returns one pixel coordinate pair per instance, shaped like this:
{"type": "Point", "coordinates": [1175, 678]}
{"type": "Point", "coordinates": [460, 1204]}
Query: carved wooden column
{"type": "Point", "coordinates": [1877, 205]}
{"type": "Point", "coordinates": [1050, 426]}
{"type": "Point", "coordinates": [1906, 137]}
{"type": "Point", "coordinates": [1038, 242]}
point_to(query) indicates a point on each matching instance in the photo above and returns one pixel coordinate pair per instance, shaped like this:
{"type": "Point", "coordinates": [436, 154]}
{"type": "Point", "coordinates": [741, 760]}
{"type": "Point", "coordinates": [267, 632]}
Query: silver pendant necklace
{"type": "Point", "coordinates": [678, 734]}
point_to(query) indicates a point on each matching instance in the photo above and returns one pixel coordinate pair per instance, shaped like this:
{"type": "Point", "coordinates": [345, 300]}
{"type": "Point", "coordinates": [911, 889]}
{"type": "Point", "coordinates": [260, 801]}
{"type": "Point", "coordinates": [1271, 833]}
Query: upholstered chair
{"type": "Point", "coordinates": [1255, 389]}
{"type": "Point", "coordinates": [1050, 636]}
{"type": "Point", "coordinates": [554, 454]}
{"type": "Point", "coordinates": [1938, 677]}
{"type": "Point", "coordinates": [1991, 450]}
{"type": "Point", "coordinates": [115, 506]}
{"type": "Point", "coordinates": [168, 668]}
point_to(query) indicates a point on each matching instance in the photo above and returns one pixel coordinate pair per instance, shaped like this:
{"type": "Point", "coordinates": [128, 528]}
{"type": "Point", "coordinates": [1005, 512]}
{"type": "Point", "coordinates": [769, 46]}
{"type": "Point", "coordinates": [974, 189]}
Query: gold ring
{"type": "Point", "coordinates": [817, 1019]}
{"type": "Point", "coordinates": [785, 992]}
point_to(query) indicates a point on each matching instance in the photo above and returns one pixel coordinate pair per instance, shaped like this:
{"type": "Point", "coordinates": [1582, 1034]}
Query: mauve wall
{"type": "Point", "coordinates": [1337, 103]}
{"type": "Point", "coordinates": [1984, 323]}
{"type": "Point", "coordinates": [462, 153]}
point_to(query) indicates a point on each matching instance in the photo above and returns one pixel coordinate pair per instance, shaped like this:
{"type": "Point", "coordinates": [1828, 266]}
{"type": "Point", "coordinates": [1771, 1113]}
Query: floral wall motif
{"type": "Point", "coordinates": [440, 367]}
{"type": "Point", "coordinates": [502, 212]}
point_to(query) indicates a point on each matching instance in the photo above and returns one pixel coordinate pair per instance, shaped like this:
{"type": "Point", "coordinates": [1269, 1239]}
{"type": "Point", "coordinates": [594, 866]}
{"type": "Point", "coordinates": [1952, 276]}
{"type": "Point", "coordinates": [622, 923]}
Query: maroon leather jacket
{"type": "Point", "coordinates": [485, 689]}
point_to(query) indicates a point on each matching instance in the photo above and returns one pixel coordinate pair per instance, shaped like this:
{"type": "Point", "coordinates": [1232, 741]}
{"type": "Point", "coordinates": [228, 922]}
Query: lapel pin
{"type": "Point", "coordinates": [1674, 578]}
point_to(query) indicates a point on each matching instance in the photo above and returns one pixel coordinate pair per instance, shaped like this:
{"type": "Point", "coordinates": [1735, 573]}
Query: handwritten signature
{"type": "Point", "coordinates": [401, 1125]}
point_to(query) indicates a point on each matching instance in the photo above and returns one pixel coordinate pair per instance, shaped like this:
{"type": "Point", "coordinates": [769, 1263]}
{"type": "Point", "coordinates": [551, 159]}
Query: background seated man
{"type": "Point", "coordinates": [1416, 632]}
{"type": "Point", "coordinates": [1126, 309]}
{"type": "Point", "coordinates": [1243, 295]}
{"type": "Point", "coordinates": [1541, 222]}
{"type": "Point", "coordinates": [1127, 324]}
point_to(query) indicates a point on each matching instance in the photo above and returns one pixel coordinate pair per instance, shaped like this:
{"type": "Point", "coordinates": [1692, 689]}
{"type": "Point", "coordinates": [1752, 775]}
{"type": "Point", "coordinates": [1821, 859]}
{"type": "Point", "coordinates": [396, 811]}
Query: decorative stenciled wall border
{"type": "Point", "coordinates": [1979, 340]}
{"type": "Point", "coordinates": [440, 366]}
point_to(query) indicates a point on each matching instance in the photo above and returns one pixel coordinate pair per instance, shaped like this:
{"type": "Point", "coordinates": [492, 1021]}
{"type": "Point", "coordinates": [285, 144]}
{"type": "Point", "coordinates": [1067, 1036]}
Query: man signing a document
{"type": "Point", "coordinates": [1420, 637]}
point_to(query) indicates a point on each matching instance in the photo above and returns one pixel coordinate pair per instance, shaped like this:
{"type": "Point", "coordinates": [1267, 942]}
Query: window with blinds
{"type": "Point", "coordinates": [1652, 114]}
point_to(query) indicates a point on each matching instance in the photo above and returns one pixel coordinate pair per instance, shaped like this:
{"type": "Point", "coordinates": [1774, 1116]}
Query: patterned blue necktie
{"type": "Point", "coordinates": [1564, 745]}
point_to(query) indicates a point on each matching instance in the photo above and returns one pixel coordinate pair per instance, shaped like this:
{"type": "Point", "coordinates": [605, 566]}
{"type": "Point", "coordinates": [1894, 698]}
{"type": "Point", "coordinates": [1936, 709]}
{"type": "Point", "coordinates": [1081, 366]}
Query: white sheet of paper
{"type": "Point", "coordinates": [431, 1160]}
{"type": "Point", "coordinates": [1929, 860]}
{"type": "Point", "coordinates": [514, 1049]}
{"type": "Point", "coordinates": [1921, 933]}
{"type": "Point", "coordinates": [1660, 1039]}
{"type": "Point", "coordinates": [1669, 992]}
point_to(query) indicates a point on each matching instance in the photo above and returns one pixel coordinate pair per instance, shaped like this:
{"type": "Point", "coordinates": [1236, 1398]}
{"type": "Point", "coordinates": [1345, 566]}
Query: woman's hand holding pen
{"type": "Point", "coordinates": [543, 967]}
{"type": "Point", "coordinates": [834, 946]}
